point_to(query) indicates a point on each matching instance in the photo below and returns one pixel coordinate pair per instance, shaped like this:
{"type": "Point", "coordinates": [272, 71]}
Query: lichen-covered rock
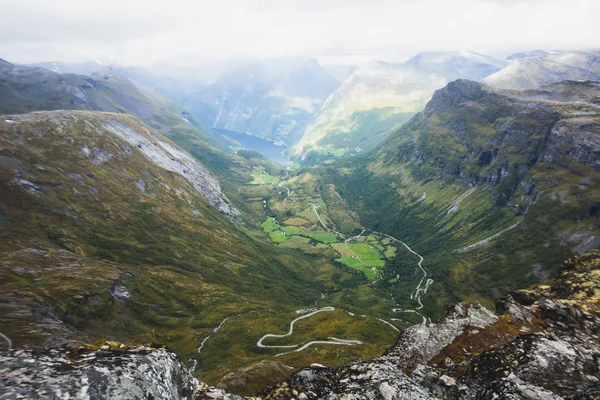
{"type": "Point", "coordinates": [140, 373]}
{"type": "Point", "coordinates": [380, 378]}
{"type": "Point", "coordinates": [545, 345]}
{"type": "Point", "coordinates": [420, 343]}
{"type": "Point", "coordinates": [205, 392]}
{"type": "Point", "coordinates": [537, 361]}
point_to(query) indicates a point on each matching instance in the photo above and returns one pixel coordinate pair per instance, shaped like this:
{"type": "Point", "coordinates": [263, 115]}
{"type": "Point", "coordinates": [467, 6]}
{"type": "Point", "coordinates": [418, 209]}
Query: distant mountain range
{"type": "Point", "coordinates": [299, 103]}
{"type": "Point", "coordinates": [271, 100]}
{"type": "Point", "coordinates": [538, 68]}
{"type": "Point", "coordinates": [82, 68]}
{"type": "Point", "coordinates": [378, 97]}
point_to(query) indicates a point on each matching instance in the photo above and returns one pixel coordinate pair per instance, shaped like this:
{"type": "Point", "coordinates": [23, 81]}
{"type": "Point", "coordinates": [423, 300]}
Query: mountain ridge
{"type": "Point", "coordinates": [377, 98]}
{"type": "Point", "coordinates": [484, 180]}
{"type": "Point", "coordinates": [547, 67]}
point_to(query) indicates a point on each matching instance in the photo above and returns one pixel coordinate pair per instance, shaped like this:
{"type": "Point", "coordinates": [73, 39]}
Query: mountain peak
{"type": "Point", "coordinates": [4, 63]}
{"type": "Point", "coordinates": [542, 68]}
{"type": "Point", "coordinates": [527, 54]}
{"type": "Point", "coordinates": [426, 59]}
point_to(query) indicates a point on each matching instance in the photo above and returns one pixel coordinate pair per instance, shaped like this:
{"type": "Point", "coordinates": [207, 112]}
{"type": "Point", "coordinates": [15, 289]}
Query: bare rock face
{"type": "Point", "coordinates": [544, 346]}
{"type": "Point", "coordinates": [380, 378]}
{"type": "Point", "coordinates": [419, 343]}
{"type": "Point", "coordinates": [171, 158]}
{"type": "Point", "coordinates": [140, 373]}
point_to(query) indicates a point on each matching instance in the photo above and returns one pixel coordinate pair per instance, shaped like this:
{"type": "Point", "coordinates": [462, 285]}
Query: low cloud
{"type": "Point", "coordinates": [185, 31]}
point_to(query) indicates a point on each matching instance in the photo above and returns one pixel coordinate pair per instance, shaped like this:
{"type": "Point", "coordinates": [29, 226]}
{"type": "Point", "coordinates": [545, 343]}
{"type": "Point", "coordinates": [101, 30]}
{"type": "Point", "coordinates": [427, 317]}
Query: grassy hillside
{"type": "Point", "coordinates": [492, 187]}
{"type": "Point", "coordinates": [376, 98]}
{"type": "Point", "coordinates": [101, 241]}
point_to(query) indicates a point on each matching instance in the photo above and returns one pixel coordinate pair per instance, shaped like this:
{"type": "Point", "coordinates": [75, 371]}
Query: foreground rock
{"type": "Point", "coordinates": [140, 373]}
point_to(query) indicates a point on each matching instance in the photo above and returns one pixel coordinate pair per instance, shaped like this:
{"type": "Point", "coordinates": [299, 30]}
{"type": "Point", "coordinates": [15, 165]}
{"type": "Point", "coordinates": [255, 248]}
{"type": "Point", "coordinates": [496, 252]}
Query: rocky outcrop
{"type": "Point", "coordinates": [544, 346]}
{"type": "Point", "coordinates": [376, 379]}
{"type": "Point", "coordinates": [105, 373]}
{"type": "Point", "coordinates": [420, 343]}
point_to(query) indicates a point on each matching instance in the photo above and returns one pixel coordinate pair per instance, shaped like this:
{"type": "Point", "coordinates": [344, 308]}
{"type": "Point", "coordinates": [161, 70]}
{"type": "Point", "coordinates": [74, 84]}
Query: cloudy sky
{"type": "Point", "coordinates": [142, 32]}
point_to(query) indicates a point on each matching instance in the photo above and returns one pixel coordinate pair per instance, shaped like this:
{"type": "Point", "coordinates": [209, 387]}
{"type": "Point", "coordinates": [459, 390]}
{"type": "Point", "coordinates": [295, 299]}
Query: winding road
{"type": "Point", "coordinates": [332, 340]}
{"type": "Point", "coordinates": [416, 295]}
{"type": "Point", "coordinates": [268, 335]}
{"type": "Point", "coordinates": [424, 283]}
{"type": "Point", "coordinates": [420, 289]}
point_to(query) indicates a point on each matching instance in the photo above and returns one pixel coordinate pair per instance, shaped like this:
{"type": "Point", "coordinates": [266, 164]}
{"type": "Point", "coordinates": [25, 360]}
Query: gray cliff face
{"type": "Point", "coordinates": [141, 373]}
{"type": "Point", "coordinates": [113, 137]}
{"type": "Point", "coordinates": [554, 124]}
{"type": "Point", "coordinates": [514, 140]}
{"type": "Point", "coordinates": [171, 158]}
{"type": "Point", "coordinates": [420, 343]}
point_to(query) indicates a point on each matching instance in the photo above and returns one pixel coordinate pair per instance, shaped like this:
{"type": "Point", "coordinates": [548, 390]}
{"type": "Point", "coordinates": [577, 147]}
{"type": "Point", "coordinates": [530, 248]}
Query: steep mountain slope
{"type": "Point", "coordinates": [80, 68]}
{"type": "Point", "coordinates": [378, 97]}
{"type": "Point", "coordinates": [272, 100]}
{"type": "Point", "coordinates": [542, 68]}
{"type": "Point", "coordinates": [109, 229]}
{"type": "Point", "coordinates": [24, 89]}
{"type": "Point", "coordinates": [492, 187]}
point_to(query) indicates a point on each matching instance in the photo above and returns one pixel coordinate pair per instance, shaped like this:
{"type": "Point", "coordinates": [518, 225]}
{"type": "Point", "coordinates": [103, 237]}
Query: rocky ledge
{"type": "Point", "coordinates": [109, 372]}
{"type": "Point", "coordinates": [542, 343]}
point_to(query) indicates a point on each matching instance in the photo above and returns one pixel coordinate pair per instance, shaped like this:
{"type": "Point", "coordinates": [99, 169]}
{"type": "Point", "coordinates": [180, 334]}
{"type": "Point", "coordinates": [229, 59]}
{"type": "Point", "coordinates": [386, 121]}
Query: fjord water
{"type": "Point", "coordinates": [267, 148]}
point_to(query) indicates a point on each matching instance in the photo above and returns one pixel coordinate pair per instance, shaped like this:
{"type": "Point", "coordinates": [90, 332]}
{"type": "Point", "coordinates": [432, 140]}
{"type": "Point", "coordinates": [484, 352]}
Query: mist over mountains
{"type": "Point", "coordinates": [261, 216]}
{"type": "Point", "coordinates": [295, 102]}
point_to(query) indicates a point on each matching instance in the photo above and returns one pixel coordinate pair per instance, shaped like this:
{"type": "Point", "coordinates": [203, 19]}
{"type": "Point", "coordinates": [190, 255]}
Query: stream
{"type": "Point", "coordinates": [421, 288]}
